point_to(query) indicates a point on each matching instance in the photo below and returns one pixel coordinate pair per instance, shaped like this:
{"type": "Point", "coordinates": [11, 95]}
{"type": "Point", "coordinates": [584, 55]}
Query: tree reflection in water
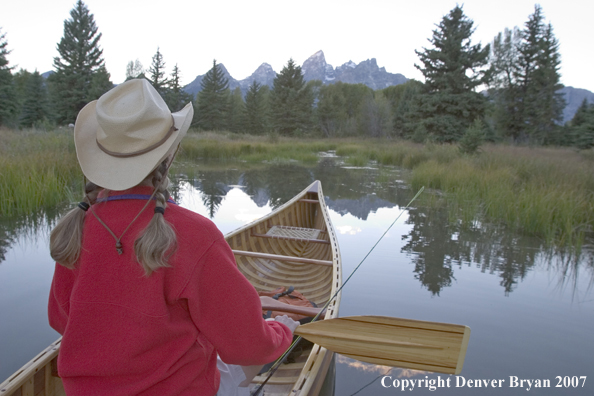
{"type": "Point", "coordinates": [436, 243]}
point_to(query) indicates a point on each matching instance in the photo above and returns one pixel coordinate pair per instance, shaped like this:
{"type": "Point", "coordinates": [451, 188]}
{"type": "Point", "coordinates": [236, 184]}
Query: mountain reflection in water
{"type": "Point", "coordinates": [436, 243]}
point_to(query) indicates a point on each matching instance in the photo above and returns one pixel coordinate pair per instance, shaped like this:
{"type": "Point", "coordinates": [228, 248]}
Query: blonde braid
{"type": "Point", "coordinates": [158, 241]}
{"type": "Point", "coordinates": [66, 237]}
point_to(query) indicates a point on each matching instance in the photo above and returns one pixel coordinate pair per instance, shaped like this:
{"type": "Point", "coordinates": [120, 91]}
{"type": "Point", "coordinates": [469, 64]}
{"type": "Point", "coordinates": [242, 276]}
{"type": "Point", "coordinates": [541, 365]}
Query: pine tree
{"type": "Point", "coordinates": [157, 74]}
{"type": "Point", "coordinates": [255, 110]}
{"type": "Point", "coordinates": [504, 89]}
{"type": "Point", "coordinates": [526, 72]}
{"type": "Point", "coordinates": [213, 100]}
{"type": "Point", "coordinates": [581, 126]}
{"type": "Point", "coordinates": [35, 105]}
{"type": "Point", "coordinates": [235, 111]}
{"type": "Point", "coordinates": [8, 94]}
{"type": "Point", "coordinates": [473, 138]}
{"type": "Point", "coordinates": [80, 58]}
{"type": "Point", "coordinates": [550, 102]}
{"type": "Point", "coordinates": [100, 84]}
{"type": "Point", "coordinates": [452, 71]}
{"type": "Point", "coordinates": [402, 98]}
{"type": "Point", "coordinates": [176, 98]}
{"type": "Point", "coordinates": [291, 101]}
{"type": "Point", "coordinates": [584, 133]}
{"type": "Point", "coordinates": [526, 63]}
{"type": "Point", "coordinates": [580, 115]}
{"type": "Point", "coordinates": [21, 82]}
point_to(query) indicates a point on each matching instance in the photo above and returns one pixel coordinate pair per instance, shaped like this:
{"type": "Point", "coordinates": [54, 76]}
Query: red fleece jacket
{"type": "Point", "coordinates": [128, 334]}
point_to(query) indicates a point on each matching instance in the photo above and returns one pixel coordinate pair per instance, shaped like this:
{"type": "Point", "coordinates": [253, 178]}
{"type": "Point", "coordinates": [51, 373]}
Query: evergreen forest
{"type": "Point", "coordinates": [505, 91]}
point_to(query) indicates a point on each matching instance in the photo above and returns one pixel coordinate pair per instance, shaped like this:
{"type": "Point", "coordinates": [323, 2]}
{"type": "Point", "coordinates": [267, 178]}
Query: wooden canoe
{"type": "Point", "coordinates": [295, 245]}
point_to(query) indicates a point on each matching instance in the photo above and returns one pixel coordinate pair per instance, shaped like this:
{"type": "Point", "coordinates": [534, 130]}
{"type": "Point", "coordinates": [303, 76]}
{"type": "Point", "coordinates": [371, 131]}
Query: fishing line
{"type": "Point", "coordinates": [279, 361]}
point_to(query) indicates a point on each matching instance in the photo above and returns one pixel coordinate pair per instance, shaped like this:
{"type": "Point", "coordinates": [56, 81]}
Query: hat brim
{"type": "Point", "coordinates": [117, 173]}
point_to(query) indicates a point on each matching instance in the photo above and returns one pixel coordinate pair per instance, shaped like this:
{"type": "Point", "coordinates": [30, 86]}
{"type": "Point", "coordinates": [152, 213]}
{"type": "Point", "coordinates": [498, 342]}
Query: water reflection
{"type": "Point", "coordinates": [503, 285]}
{"type": "Point", "coordinates": [567, 266]}
{"type": "Point", "coordinates": [432, 248]}
{"type": "Point", "coordinates": [6, 239]}
{"type": "Point", "coordinates": [24, 228]}
{"type": "Point", "coordinates": [437, 245]}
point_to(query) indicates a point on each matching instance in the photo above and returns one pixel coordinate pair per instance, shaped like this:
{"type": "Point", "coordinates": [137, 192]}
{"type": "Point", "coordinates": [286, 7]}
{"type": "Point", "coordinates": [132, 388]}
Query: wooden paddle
{"type": "Point", "coordinates": [388, 341]}
{"type": "Point", "coordinates": [395, 342]}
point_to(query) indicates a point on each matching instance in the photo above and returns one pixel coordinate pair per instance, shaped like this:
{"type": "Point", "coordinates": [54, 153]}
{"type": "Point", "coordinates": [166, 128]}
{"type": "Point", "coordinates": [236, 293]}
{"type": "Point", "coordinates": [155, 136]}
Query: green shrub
{"type": "Point", "coordinates": [473, 138]}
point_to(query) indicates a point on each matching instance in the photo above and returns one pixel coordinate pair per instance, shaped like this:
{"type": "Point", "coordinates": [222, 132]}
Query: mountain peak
{"type": "Point", "coordinates": [224, 70]}
{"type": "Point", "coordinates": [319, 54]}
{"type": "Point", "coordinates": [316, 68]}
{"type": "Point", "coordinates": [350, 64]}
{"type": "Point", "coordinates": [369, 73]}
{"type": "Point", "coordinates": [264, 75]}
{"type": "Point", "coordinates": [264, 67]}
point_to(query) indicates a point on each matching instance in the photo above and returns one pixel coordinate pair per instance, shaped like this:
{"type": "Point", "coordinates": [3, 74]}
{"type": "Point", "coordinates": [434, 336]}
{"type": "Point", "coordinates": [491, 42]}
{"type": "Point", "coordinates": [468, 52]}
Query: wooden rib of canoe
{"type": "Point", "coordinates": [295, 245]}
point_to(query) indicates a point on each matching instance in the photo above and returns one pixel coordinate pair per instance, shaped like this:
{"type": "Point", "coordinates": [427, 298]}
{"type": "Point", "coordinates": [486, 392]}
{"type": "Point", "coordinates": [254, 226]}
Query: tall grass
{"type": "Point", "coordinates": [539, 191]}
{"type": "Point", "coordinates": [247, 148]}
{"type": "Point", "coordinates": [37, 169]}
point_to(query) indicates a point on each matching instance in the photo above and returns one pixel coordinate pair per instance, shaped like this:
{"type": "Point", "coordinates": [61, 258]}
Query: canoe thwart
{"type": "Point", "coordinates": [283, 258]}
{"type": "Point", "coordinates": [314, 201]}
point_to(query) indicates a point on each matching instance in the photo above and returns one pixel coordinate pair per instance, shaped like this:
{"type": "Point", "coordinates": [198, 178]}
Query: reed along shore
{"type": "Point", "coordinates": [541, 191]}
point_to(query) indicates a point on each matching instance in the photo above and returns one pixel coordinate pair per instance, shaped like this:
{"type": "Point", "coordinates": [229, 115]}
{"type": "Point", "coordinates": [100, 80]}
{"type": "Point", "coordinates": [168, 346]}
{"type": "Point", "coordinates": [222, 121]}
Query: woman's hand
{"type": "Point", "coordinates": [290, 323]}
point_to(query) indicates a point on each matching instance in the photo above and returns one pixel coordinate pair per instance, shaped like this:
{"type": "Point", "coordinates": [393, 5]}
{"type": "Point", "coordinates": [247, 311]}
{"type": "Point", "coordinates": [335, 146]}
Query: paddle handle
{"type": "Point", "coordinates": [270, 304]}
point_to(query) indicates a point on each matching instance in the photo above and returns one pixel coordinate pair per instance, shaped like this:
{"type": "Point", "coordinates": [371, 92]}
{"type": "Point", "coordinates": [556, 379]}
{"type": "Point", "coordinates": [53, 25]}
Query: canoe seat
{"type": "Point", "coordinates": [293, 234]}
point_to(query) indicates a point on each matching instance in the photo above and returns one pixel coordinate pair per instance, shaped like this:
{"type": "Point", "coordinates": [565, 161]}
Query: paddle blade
{"type": "Point", "coordinates": [395, 342]}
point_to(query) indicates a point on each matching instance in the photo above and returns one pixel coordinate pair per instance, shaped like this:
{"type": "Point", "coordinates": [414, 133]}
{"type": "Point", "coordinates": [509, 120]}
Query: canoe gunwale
{"type": "Point", "coordinates": [25, 379]}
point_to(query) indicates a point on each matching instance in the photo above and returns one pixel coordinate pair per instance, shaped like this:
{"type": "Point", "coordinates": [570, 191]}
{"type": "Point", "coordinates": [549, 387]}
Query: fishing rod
{"type": "Point", "coordinates": [280, 360]}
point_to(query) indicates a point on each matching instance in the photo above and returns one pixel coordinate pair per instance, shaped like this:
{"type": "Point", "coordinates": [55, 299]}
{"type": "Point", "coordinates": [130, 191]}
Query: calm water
{"type": "Point", "coordinates": [531, 312]}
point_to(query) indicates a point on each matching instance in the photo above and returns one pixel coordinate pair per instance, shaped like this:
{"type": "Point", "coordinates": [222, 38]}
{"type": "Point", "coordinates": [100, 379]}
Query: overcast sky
{"type": "Point", "coordinates": [244, 34]}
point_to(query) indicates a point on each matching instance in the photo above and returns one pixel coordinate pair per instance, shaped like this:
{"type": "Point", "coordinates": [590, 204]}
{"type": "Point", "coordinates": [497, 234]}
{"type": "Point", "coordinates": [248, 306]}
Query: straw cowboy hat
{"type": "Point", "coordinates": [124, 135]}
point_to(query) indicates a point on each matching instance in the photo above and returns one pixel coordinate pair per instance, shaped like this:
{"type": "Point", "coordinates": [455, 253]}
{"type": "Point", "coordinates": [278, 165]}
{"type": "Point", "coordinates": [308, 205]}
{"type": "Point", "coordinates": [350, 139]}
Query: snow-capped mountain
{"type": "Point", "coordinates": [316, 68]}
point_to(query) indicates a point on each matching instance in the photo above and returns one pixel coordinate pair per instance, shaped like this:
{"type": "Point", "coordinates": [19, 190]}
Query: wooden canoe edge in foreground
{"type": "Point", "coordinates": [38, 377]}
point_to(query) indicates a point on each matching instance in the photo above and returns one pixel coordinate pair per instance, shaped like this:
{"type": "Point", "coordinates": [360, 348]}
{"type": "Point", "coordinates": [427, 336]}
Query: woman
{"type": "Point", "coordinates": [145, 293]}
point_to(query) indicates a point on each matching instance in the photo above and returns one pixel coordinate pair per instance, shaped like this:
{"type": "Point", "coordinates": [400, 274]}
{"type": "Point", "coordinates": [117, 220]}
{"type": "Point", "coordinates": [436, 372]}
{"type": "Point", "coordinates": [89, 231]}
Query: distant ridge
{"type": "Point", "coordinates": [573, 99]}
